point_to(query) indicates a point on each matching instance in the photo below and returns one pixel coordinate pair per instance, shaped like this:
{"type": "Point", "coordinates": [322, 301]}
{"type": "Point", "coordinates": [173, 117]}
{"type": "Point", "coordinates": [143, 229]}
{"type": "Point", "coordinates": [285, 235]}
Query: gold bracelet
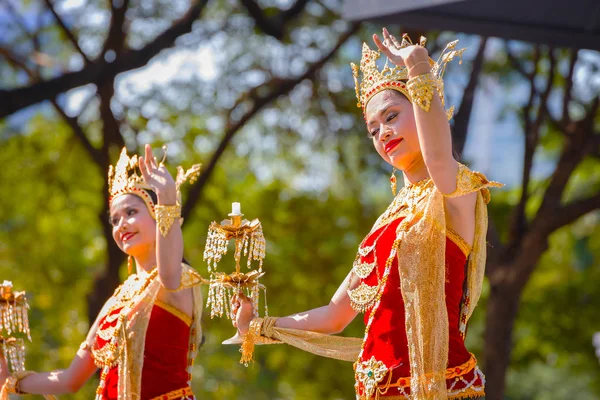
{"type": "Point", "coordinates": [11, 385]}
{"type": "Point", "coordinates": [165, 216]}
{"type": "Point", "coordinates": [413, 67]}
{"type": "Point", "coordinates": [266, 328]}
{"type": "Point", "coordinates": [421, 89]}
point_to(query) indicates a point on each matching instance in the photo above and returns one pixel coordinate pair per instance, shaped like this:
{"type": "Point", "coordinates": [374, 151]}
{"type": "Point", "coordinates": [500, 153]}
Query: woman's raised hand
{"type": "Point", "coordinates": [158, 177]}
{"type": "Point", "coordinates": [414, 57]}
{"type": "Point", "coordinates": [243, 311]}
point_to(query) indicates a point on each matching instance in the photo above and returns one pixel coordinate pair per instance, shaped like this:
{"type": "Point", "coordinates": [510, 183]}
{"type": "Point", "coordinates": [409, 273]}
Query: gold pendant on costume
{"type": "Point", "coordinates": [370, 373]}
{"type": "Point", "coordinates": [363, 296]}
{"type": "Point", "coordinates": [362, 269]}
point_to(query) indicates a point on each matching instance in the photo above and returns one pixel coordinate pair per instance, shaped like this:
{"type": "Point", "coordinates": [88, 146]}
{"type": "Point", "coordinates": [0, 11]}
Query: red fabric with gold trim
{"type": "Point", "coordinates": [165, 356]}
{"type": "Point", "coordinates": [387, 340]}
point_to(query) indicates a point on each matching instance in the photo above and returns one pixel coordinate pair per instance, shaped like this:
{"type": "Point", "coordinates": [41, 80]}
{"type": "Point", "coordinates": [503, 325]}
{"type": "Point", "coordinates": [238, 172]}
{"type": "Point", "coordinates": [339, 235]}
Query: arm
{"type": "Point", "coordinates": [435, 138]}
{"type": "Point", "coordinates": [332, 318]}
{"type": "Point", "coordinates": [329, 319]}
{"type": "Point", "coordinates": [432, 126]}
{"type": "Point", "coordinates": [169, 248]}
{"type": "Point", "coordinates": [68, 380]}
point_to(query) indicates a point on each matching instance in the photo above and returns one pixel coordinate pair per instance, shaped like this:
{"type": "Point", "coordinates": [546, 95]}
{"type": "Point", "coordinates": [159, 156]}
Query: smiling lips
{"type": "Point", "coordinates": [126, 236]}
{"type": "Point", "coordinates": [391, 145]}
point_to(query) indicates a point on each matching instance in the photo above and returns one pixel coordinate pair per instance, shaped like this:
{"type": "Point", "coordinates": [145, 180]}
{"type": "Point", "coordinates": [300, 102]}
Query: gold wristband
{"type": "Point", "coordinates": [260, 331]}
{"type": "Point", "coordinates": [266, 328]}
{"type": "Point", "coordinates": [166, 216]}
{"type": "Point", "coordinates": [11, 385]}
{"type": "Point", "coordinates": [413, 66]}
{"type": "Point", "coordinates": [421, 89]}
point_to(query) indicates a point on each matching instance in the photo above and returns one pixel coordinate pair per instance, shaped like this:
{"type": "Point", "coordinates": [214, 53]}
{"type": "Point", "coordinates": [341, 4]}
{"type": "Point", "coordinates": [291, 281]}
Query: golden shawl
{"type": "Point", "coordinates": [421, 264]}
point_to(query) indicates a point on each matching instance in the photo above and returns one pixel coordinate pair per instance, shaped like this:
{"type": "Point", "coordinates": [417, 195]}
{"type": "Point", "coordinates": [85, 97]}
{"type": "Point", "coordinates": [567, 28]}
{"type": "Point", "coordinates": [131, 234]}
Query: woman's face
{"type": "Point", "coordinates": [134, 229]}
{"type": "Point", "coordinates": [391, 125]}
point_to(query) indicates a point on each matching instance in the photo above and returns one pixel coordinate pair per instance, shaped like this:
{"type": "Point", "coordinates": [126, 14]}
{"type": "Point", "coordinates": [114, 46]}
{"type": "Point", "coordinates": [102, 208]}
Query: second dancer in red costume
{"type": "Point", "coordinates": [147, 334]}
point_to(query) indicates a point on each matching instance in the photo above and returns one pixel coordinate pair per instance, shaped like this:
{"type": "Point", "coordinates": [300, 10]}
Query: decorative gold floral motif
{"type": "Point", "coordinates": [369, 374]}
{"type": "Point", "coordinates": [362, 269]}
{"type": "Point", "coordinates": [363, 296]}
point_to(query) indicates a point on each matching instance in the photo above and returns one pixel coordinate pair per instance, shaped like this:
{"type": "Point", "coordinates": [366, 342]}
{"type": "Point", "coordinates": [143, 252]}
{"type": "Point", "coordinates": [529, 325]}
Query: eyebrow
{"type": "Point", "coordinates": [126, 208]}
{"type": "Point", "coordinates": [380, 113]}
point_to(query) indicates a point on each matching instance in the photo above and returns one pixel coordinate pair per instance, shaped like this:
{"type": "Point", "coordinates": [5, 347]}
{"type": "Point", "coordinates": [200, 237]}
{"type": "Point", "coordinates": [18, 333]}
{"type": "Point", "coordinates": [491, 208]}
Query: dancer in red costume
{"type": "Point", "coordinates": [418, 273]}
{"type": "Point", "coordinates": [146, 337]}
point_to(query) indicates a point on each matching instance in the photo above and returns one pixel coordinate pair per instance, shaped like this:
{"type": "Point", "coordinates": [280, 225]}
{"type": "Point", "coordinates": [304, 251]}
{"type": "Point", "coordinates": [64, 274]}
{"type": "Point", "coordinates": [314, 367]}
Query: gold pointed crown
{"type": "Point", "coordinates": [374, 81]}
{"type": "Point", "coordinates": [124, 179]}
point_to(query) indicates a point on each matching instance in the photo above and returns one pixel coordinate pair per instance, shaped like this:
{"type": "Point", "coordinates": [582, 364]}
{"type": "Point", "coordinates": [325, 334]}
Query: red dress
{"type": "Point", "coordinates": [164, 372]}
{"type": "Point", "coordinates": [386, 340]}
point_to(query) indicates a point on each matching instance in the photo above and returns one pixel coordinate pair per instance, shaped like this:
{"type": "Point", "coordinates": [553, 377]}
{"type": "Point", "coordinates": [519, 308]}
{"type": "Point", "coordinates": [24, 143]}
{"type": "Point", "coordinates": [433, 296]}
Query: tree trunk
{"type": "Point", "coordinates": [502, 309]}
{"type": "Point", "coordinates": [106, 283]}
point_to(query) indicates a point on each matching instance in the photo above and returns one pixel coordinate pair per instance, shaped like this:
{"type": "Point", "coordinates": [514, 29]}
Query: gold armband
{"type": "Point", "coordinates": [421, 89]}
{"type": "Point", "coordinates": [468, 181]}
{"type": "Point", "coordinates": [166, 216]}
{"type": "Point", "coordinates": [85, 346]}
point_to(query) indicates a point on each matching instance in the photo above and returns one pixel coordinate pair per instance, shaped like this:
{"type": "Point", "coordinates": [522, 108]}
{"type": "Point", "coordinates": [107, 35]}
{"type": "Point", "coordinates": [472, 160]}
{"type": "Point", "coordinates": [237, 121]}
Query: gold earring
{"type": "Point", "coordinates": [129, 265]}
{"type": "Point", "coordinates": [393, 181]}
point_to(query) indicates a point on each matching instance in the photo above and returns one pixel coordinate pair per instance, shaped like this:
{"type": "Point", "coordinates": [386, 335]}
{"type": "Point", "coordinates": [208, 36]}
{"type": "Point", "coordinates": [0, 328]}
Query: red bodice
{"type": "Point", "coordinates": [387, 341]}
{"type": "Point", "coordinates": [165, 353]}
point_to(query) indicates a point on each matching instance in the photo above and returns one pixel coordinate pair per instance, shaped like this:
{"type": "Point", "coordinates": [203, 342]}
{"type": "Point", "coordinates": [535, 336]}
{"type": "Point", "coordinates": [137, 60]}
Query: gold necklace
{"type": "Point", "coordinates": [124, 297]}
{"type": "Point", "coordinates": [404, 204]}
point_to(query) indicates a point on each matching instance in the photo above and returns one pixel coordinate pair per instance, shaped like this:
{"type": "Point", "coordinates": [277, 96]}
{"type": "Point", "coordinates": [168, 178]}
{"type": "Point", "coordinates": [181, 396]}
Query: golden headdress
{"type": "Point", "coordinates": [374, 81]}
{"type": "Point", "coordinates": [124, 179]}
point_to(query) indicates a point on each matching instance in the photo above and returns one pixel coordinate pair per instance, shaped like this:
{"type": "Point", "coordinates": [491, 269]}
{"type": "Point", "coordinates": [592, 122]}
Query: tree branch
{"type": "Point", "coordinates": [71, 121]}
{"type": "Point", "coordinates": [115, 39]}
{"type": "Point", "coordinates": [518, 223]}
{"type": "Point", "coordinates": [573, 152]}
{"type": "Point", "coordinates": [80, 135]}
{"type": "Point", "coordinates": [17, 99]}
{"type": "Point", "coordinates": [16, 60]}
{"type": "Point", "coordinates": [463, 116]}
{"type": "Point", "coordinates": [70, 35]}
{"type": "Point", "coordinates": [273, 26]}
{"type": "Point", "coordinates": [282, 88]}
{"type": "Point", "coordinates": [569, 85]}
{"type": "Point", "coordinates": [572, 211]}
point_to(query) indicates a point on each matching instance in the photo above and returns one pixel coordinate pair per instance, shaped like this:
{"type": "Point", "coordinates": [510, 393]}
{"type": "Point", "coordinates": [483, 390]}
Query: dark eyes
{"type": "Point", "coordinates": [129, 212]}
{"type": "Point", "coordinates": [389, 118]}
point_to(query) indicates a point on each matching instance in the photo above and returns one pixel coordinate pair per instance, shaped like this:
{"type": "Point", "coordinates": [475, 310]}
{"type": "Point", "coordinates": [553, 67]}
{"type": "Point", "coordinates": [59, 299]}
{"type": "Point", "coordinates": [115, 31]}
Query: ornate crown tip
{"type": "Point", "coordinates": [372, 80]}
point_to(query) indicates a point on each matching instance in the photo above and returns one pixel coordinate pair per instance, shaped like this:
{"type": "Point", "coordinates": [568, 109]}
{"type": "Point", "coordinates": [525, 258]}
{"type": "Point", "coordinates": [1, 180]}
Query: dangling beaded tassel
{"type": "Point", "coordinates": [393, 182]}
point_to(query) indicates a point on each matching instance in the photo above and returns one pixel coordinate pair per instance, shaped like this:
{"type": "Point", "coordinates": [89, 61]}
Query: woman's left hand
{"type": "Point", "coordinates": [415, 58]}
{"type": "Point", "coordinates": [242, 312]}
{"type": "Point", "coordinates": [158, 177]}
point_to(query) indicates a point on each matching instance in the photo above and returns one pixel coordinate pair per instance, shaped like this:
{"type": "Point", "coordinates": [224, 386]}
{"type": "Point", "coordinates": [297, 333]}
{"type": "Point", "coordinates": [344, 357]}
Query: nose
{"type": "Point", "coordinates": [122, 224]}
{"type": "Point", "coordinates": [385, 133]}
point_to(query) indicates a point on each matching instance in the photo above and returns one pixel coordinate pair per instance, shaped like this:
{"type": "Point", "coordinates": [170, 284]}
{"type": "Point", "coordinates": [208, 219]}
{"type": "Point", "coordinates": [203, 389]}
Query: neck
{"type": "Point", "coordinates": [416, 171]}
{"type": "Point", "coordinates": [145, 262]}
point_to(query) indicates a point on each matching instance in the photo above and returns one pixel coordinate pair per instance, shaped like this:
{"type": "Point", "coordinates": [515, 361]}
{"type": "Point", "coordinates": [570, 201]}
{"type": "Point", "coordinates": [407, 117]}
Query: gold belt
{"type": "Point", "coordinates": [176, 394]}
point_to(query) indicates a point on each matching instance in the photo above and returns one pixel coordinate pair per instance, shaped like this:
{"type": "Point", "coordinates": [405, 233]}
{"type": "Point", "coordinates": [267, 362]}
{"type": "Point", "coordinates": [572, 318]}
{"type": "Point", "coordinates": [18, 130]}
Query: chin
{"type": "Point", "coordinates": [398, 162]}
